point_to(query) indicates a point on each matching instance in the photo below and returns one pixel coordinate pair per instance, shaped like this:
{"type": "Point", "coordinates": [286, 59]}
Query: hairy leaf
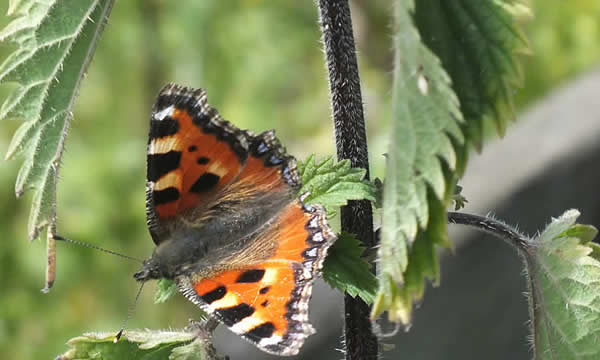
{"type": "Point", "coordinates": [456, 70]}
{"type": "Point", "coordinates": [425, 125]}
{"type": "Point", "coordinates": [56, 41]}
{"type": "Point", "coordinates": [564, 279]}
{"type": "Point", "coordinates": [332, 184]}
{"type": "Point", "coordinates": [477, 42]}
{"type": "Point", "coordinates": [146, 345]}
{"type": "Point", "coordinates": [344, 269]}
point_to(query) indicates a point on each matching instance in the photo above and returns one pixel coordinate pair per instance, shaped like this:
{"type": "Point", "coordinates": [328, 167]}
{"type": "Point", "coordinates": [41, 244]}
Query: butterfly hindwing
{"type": "Point", "coordinates": [267, 303]}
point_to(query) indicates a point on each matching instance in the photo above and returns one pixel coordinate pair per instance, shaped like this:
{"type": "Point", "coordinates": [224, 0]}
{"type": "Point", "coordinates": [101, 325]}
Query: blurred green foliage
{"type": "Point", "coordinates": [262, 65]}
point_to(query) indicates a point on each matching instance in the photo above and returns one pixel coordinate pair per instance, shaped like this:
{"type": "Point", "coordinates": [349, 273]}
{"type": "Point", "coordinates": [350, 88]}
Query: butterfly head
{"type": "Point", "coordinates": [150, 270]}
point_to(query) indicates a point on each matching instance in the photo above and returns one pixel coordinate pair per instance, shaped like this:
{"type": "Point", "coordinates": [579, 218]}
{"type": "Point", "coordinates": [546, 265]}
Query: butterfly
{"type": "Point", "coordinates": [229, 228]}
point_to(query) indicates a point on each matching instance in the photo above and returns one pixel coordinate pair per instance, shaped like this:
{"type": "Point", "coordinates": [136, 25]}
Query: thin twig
{"type": "Point", "coordinates": [351, 142]}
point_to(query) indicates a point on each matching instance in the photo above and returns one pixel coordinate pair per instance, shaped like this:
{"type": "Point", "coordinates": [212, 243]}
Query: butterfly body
{"type": "Point", "coordinates": [230, 229]}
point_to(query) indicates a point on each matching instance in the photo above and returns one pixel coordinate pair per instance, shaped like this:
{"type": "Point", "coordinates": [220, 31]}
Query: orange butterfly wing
{"type": "Point", "coordinates": [268, 303]}
{"type": "Point", "coordinates": [189, 161]}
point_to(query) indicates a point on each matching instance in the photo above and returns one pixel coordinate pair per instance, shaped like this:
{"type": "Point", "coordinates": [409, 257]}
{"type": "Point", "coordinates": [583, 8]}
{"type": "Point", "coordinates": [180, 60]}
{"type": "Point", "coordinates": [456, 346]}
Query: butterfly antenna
{"type": "Point", "coordinates": [84, 244]}
{"type": "Point", "coordinates": [129, 314]}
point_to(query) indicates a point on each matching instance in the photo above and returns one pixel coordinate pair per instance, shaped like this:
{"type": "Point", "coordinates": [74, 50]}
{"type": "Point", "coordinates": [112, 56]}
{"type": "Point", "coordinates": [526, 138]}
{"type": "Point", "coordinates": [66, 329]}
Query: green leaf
{"type": "Point", "coordinates": [146, 345]}
{"type": "Point", "coordinates": [425, 129]}
{"type": "Point", "coordinates": [165, 289]}
{"type": "Point", "coordinates": [332, 184]}
{"type": "Point", "coordinates": [423, 264]}
{"type": "Point", "coordinates": [458, 198]}
{"type": "Point", "coordinates": [344, 269]}
{"type": "Point", "coordinates": [56, 41]}
{"type": "Point", "coordinates": [478, 43]}
{"type": "Point", "coordinates": [456, 70]}
{"type": "Point", "coordinates": [564, 279]}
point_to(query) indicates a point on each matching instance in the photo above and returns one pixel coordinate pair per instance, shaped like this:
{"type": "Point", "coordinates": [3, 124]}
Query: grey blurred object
{"type": "Point", "coordinates": [547, 163]}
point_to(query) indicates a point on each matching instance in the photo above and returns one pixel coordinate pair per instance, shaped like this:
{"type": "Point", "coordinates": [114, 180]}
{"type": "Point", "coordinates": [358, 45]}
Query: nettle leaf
{"type": "Point", "coordinates": [456, 69]}
{"type": "Point", "coordinates": [477, 42]}
{"type": "Point", "coordinates": [425, 126]}
{"type": "Point", "coordinates": [332, 184]}
{"type": "Point", "coordinates": [56, 41]}
{"type": "Point", "coordinates": [344, 269]}
{"type": "Point", "coordinates": [564, 279]}
{"type": "Point", "coordinates": [146, 345]}
{"type": "Point", "coordinates": [165, 289]}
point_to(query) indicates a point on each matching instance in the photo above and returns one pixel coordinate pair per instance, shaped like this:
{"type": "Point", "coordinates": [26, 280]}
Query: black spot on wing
{"type": "Point", "coordinates": [264, 290]}
{"type": "Point", "coordinates": [262, 331]}
{"type": "Point", "coordinates": [163, 128]}
{"type": "Point", "coordinates": [214, 295]}
{"type": "Point", "coordinates": [264, 303]}
{"type": "Point", "coordinates": [192, 148]}
{"type": "Point", "coordinates": [205, 183]}
{"type": "Point", "coordinates": [235, 314]}
{"type": "Point", "coordinates": [251, 276]}
{"type": "Point", "coordinates": [202, 160]}
{"type": "Point", "coordinates": [162, 164]}
{"type": "Point", "coordinates": [165, 196]}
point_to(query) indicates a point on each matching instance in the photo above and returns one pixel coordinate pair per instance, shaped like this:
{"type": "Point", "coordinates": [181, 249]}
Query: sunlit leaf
{"type": "Point", "coordinates": [564, 279]}
{"type": "Point", "coordinates": [425, 126]}
{"type": "Point", "coordinates": [332, 184]}
{"type": "Point", "coordinates": [56, 41]}
{"type": "Point", "coordinates": [455, 71]}
{"type": "Point", "coordinates": [146, 345]}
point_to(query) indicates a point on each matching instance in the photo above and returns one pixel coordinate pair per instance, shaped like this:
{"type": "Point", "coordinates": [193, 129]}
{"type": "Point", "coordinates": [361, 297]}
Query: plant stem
{"type": "Point", "coordinates": [492, 226]}
{"type": "Point", "coordinates": [351, 143]}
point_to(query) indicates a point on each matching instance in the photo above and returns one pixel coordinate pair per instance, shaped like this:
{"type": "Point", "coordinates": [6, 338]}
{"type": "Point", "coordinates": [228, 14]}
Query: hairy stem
{"type": "Point", "coordinates": [351, 143]}
{"type": "Point", "coordinates": [492, 226]}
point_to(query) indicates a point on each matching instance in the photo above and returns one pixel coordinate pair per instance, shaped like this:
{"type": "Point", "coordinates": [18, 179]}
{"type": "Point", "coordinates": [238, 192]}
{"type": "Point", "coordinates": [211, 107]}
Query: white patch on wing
{"type": "Point", "coordinates": [168, 180]}
{"type": "Point", "coordinates": [163, 145]}
{"type": "Point", "coordinates": [273, 340]}
{"type": "Point", "coordinates": [161, 115]}
{"type": "Point", "coordinates": [246, 324]}
{"type": "Point", "coordinates": [229, 300]}
{"type": "Point", "coordinates": [216, 168]}
{"type": "Point", "coordinates": [270, 276]}
{"type": "Point", "coordinates": [312, 252]}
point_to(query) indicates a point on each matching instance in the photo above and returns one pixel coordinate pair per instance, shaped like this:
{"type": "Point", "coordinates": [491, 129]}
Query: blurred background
{"type": "Point", "coordinates": [262, 65]}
